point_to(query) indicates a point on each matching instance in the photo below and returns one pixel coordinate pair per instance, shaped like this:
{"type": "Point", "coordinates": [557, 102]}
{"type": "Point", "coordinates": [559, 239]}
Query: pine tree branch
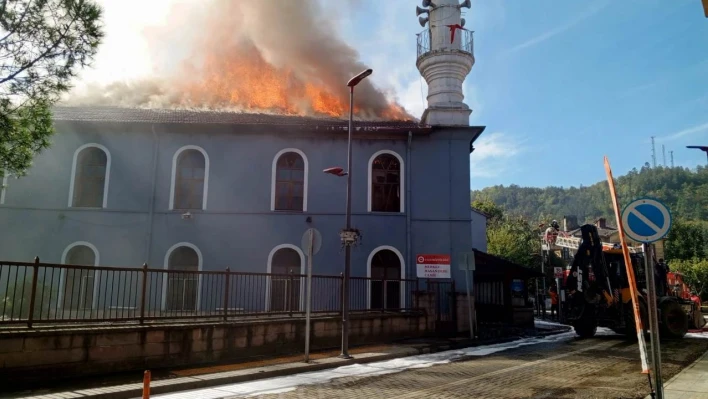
{"type": "Point", "coordinates": [17, 23]}
{"type": "Point", "coordinates": [43, 55]}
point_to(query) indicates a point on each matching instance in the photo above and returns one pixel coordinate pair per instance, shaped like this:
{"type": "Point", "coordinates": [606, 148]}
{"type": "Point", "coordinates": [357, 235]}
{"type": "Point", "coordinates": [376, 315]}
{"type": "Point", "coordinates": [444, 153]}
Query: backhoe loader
{"type": "Point", "coordinates": [597, 293]}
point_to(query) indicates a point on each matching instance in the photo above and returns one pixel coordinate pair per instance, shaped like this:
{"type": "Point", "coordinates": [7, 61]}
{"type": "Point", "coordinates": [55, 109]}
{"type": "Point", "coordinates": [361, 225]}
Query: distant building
{"type": "Point", "coordinates": [610, 233]}
{"type": "Point", "coordinates": [607, 233]}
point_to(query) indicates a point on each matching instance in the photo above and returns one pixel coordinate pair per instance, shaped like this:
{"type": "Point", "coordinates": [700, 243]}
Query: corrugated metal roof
{"type": "Point", "coordinates": [133, 115]}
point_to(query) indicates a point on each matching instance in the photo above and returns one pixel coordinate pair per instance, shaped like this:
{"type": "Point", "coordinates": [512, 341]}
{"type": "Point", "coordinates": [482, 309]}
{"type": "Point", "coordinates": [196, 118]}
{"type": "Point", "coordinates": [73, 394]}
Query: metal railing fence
{"type": "Point", "coordinates": [55, 293]}
{"type": "Point", "coordinates": [464, 42]}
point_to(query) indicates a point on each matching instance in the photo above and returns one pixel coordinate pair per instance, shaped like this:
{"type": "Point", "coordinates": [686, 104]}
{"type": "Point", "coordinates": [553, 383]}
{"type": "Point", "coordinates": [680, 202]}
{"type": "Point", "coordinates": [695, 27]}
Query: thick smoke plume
{"type": "Point", "coordinates": [280, 56]}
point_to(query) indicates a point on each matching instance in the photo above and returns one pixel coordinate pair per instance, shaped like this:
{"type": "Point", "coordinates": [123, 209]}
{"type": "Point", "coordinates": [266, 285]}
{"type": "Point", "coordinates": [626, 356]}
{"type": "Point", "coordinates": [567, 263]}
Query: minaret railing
{"type": "Point", "coordinates": [466, 42]}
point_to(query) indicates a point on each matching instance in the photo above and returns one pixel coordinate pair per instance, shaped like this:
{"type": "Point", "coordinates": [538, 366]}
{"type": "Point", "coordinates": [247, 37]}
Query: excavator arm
{"type": "Point", "coordinates": [580, 287]}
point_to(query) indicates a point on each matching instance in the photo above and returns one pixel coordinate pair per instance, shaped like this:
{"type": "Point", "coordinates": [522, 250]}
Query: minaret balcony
{"type": "Point", "coordinates": [463, 42]}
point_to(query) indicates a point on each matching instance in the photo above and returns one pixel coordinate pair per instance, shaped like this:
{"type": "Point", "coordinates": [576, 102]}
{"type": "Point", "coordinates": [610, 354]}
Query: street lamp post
{"type": "Point", "coordinates": [349, 236]}
{"type": "Point", "coordinates": [699, 147]}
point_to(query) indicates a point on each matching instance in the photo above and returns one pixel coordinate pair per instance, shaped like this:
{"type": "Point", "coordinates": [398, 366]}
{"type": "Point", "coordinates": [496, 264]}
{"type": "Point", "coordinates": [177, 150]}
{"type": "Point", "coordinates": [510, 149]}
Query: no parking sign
{"type": "Point", "coordinates": [646, 220]}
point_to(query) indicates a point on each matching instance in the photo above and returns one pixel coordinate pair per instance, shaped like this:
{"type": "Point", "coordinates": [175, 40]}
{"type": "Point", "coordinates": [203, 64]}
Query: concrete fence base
{"type": "Point", "coordinates": [71, 352]}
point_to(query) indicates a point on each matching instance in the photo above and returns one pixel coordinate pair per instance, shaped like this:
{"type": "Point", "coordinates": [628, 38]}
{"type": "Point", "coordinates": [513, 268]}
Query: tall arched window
{"type": "Point", "coordinates": [386, 182]}
{"type": "Point", "coordinates": [182, 283]}
{"type": "Point", "coordinates": [89, 184]}
{"type": "Point", "coordinates": [385, 267]}
{"type": "Point", "coordinates": [289, 186]}
{"type": "Point", "coordinates": [285, 269]}
{"type": "Point", "coordinates": [79, 284]}
{"type": "Point", "coordinates": [190, 177]}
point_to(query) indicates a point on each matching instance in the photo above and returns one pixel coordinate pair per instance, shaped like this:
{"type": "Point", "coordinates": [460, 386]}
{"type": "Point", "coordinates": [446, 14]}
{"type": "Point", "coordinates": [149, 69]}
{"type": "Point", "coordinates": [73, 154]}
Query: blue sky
{"type": "Point", "coordinates": [559, 84]}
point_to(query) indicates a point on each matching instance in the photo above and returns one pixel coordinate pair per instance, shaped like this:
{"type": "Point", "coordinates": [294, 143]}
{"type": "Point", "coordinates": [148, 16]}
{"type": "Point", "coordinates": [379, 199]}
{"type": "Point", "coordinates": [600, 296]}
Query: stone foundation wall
{"type": "Point", "coordinates": [58, 353]}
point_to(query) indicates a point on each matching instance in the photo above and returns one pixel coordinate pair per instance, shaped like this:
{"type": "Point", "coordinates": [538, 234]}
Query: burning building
{"type": "Point", "coordinates": [206, 190]}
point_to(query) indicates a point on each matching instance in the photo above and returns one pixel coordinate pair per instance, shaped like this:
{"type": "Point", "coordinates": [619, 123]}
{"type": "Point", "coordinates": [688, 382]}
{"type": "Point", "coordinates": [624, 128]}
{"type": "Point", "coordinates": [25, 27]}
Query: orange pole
{"type": "Point", "coordinates": [146, 385]}
{"type": "Point", "coordinates": [630, 271]}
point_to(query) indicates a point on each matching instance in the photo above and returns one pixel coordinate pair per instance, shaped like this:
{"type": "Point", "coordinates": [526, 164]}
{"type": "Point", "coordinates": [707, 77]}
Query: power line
{"type": "Point", "coordinates": [672, 158]}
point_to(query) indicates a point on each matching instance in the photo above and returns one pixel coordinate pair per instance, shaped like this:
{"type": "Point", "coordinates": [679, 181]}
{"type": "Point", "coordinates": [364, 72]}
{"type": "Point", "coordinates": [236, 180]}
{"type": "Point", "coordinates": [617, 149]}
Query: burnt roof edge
{"type": "Point", "coordinates": [275, 128]}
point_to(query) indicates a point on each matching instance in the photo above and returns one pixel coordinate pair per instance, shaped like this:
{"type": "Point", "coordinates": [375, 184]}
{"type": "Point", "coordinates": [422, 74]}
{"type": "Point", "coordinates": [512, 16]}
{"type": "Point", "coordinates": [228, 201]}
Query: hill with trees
{"type": "Point", "coordinates": [685, 191]}
{"type": "Point", "coordinates": [515, 213]}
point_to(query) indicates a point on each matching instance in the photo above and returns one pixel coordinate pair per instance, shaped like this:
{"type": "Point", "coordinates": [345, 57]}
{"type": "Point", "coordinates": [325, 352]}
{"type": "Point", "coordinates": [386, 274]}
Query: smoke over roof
{"type": "Point", "coordinates": [274, 56]}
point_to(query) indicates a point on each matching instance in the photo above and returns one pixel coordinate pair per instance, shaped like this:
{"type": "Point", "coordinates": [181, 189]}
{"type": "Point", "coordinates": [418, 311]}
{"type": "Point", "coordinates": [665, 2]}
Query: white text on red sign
{"type": "Point", "coordinates": [433, 266]}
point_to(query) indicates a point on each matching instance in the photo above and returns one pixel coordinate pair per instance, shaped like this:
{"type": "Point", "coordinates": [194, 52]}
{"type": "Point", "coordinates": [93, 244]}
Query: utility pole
{"type": "Point", "coordinates": [671, 153]}
{"type": "Point", "coordinates": [653, 153]}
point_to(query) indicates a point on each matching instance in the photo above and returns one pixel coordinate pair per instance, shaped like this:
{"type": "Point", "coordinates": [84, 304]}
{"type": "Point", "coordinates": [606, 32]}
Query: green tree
{"type": "Point", "coordinates": [510, 237]}
{"type": "Point", "coordinates": [685, 191]}
{"type": "Point", "coordinates": [43, 44]}
{"type": "Point", "coordinates": [695, 273]}
{"type": "Point", "coordinates": [687, 240]}
{"type": "Point", "coordinates": [514, 239]}
{"type": "Point", "coordinates": [488, 207]}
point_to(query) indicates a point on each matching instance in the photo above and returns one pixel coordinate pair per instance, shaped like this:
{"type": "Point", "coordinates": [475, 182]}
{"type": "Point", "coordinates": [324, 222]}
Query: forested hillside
{"type": "Point", "coordinates": [683, 190]}
{"type": "Point", "coordinates": [515, 211]}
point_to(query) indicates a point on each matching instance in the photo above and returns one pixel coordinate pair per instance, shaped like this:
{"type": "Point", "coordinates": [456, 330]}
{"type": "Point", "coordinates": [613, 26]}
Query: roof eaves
{"type": "Point", "coordinates": [136, 115]}
{"type": "Point", "coordinates": [475, 210]}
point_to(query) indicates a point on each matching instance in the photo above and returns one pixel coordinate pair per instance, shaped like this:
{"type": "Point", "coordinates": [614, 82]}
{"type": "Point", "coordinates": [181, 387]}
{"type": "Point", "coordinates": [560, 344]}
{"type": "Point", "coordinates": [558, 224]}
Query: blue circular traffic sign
{"type": "Point", "coordinates": [646, 220]}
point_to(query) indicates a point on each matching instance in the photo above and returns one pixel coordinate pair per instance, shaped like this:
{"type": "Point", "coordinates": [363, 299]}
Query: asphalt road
{"type": "Point", "coordinates": [602, 367]}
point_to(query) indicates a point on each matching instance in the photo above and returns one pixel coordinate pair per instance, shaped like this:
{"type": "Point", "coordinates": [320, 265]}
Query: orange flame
{"type": "Point", "coordinates": [244, 80]}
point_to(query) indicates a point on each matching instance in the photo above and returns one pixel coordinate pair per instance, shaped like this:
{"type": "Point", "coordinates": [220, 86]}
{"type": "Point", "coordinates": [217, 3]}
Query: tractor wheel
{"type": "Point", "coordinates": [586, 325]}
{"type": "Point", "coordinates": [674, 321]}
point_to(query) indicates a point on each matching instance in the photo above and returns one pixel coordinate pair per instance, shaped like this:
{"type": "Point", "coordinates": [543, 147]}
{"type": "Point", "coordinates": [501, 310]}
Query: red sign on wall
{"type": "Point", "coordinates": [433, 266]}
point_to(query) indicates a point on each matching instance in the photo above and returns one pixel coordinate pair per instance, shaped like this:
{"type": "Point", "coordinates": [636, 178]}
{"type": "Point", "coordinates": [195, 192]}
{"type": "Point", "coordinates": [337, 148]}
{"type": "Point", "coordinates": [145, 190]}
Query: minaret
{"type": "Point", "coordinates": [445, 58]}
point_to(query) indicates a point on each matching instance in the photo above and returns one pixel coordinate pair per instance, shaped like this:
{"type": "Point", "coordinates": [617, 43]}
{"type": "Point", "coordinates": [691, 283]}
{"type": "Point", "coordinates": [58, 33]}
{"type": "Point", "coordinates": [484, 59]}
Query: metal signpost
{"type": "Point", "coordinates": [543, 291]}
{"type": "Point", "coordinates": [311, 244]}
{"type": "Point", "coordinates": [558, 274]}
{"type": "Point", "coordinates": [467, 263]}
{"type": "Point", "coordinates": [647, 220]}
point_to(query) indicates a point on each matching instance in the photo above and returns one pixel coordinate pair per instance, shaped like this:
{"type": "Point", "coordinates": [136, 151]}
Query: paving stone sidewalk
{"type": "Point", "coordinates": [691, 383]}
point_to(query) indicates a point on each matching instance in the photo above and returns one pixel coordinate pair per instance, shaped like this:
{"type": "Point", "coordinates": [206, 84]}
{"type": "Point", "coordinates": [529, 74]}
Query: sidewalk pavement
{"type": "Point", "coordinates": [209, 376]}
{"type": "Point", "coordinates": [690, 383]}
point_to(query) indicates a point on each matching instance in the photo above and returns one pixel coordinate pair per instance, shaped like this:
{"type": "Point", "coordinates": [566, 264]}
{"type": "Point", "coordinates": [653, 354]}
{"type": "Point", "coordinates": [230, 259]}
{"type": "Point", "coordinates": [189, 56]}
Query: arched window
{"type": "Point", "coordinates": [289, 187]}
{"type": "Point", "coordinates": [190, 177]}
{"type": "Point", "coordinates": [182, 281]}
{"type": "Point", "coordinates": [89, 184]}
{"type": "Point", "coordinates": [385, 271]}
{"type": "Point", "coordinates": [386, 182]}
{"type": "Point", "coordinates": [285, 268]}
{"type": "Point", "coordinates": [79, 284]}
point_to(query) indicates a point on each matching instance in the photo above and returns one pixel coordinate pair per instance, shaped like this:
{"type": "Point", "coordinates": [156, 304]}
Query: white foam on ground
{"type": "Point", "coordinates": [703, 335]}
{"type": "Point", "coordinates": [538, 322]}
{"type": "Point", "coordinates": [290, 383]}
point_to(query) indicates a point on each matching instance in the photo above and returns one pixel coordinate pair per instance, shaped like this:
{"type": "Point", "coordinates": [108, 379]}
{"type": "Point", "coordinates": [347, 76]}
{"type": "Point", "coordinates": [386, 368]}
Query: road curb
{"type": "Point", "coordinates": [160, 387]}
